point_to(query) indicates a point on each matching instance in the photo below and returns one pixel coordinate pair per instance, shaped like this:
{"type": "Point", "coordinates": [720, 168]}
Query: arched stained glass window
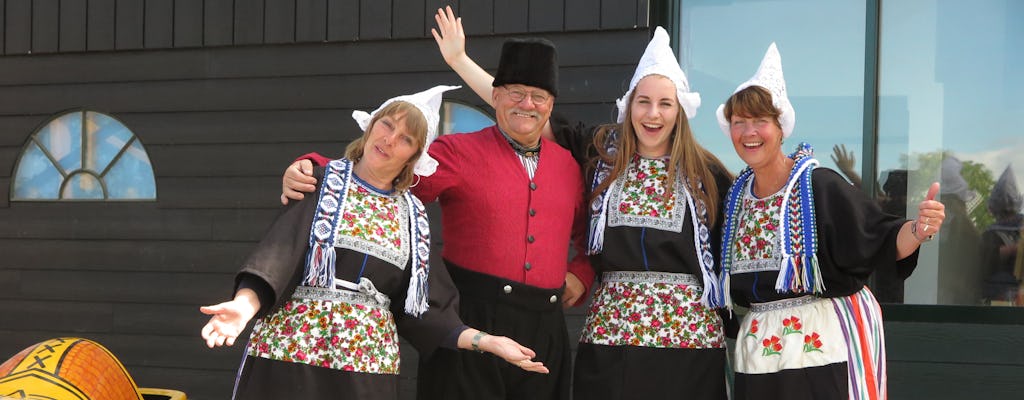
{"type": "Point", "coordinates": [83, 155]}
{"type": "Point", "coordinates": [462, 118]}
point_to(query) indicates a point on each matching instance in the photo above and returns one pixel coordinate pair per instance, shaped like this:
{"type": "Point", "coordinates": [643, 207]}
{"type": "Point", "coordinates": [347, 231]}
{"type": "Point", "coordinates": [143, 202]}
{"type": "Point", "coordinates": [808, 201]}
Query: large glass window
{"type": "Point", "coordinates": [721, 45]}
{"type": "Point", "coordinates": [949, 84]}
{"type": "Point", "coordinates": [950, 78]}
{"type": "Point", "coordinates": [83, 155]}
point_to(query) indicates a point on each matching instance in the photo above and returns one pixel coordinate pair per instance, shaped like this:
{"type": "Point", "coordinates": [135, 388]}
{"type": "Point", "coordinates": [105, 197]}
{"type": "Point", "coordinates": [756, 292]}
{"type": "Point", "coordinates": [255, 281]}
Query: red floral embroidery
{"type": "Point", "coordinates": [771, 346]}
{"type": "Point", "coordinates": [791, 325]}
{"type": "Point", "coordinates": [812, 343]}
{"type": "Point", "coordinates": [753, 329]}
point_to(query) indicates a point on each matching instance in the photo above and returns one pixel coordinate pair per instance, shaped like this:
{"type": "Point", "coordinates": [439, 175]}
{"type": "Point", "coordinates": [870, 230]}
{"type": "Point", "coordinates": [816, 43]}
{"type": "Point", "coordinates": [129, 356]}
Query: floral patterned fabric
{"type": "Point", "coordinates": [638, 197]}
{"type": "Point", "coordinates": [789, 334]}
{"type": "Point", "coordinates": [329, 333]}
{"type": "Point", "coordinates": [757, 234]}
{"type": "Point", "coordinates": [651, 309]}
{"type": "Point", "coordinates": [375, 223]}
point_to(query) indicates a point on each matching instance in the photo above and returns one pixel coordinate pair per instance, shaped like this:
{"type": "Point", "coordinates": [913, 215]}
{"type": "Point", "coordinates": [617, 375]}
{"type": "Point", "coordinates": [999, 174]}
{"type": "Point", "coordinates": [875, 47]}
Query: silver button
{"type": "Point", "coordinates": [507, 289]}
{"type": "Point", "coordinates": [553, 298]}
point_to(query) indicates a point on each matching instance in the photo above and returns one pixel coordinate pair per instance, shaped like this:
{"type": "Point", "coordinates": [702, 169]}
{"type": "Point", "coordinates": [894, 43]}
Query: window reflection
{"type": "Point", "coordinates": [948, 103]}
{"type": "Point", "coordinates": [721, 43]}
{"type": "Point", "coordinates": [462, 118]}
{"type": "Point", "coordinates": [949, 74]}
{"type": "Point", "coordinates": [84, 155]}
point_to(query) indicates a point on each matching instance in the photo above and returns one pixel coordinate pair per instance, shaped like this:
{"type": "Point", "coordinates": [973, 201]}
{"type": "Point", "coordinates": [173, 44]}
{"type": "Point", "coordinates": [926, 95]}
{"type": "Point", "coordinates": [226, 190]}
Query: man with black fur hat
{"type": "Point", "coordinates": [507, 223]}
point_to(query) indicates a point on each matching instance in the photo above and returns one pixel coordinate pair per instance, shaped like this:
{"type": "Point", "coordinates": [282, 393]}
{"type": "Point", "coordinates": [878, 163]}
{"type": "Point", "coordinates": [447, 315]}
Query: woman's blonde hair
{"type": "Point", "coordinates": [686, 156]}
{"type": "Point", "coordinates": [415, 123]}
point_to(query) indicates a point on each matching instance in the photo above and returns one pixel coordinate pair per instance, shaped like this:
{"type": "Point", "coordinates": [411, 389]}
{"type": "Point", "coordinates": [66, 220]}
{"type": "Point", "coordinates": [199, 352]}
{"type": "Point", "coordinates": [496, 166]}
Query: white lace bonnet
{"type": "Point", "coordinates": [768, 76]}
{"type": "Point", "coordinates": [659, 59]}
{"type": "Point", "coordinates": [429, 103]}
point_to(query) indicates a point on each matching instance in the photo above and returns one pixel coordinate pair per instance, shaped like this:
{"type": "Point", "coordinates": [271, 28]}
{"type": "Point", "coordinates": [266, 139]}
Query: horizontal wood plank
{"type": "Point", "coordinates": [131, 221]}
{"type": "Point", "coordinates": [293, 93]}
{"type": "Point", "coordinates": [925, 380]}
{"type": "Point", "coordinates": [223, 127]}
{"type": "Point", "coordinates": [220, 192]}
{"type": "Point", "coordinates": [184, 352]}
{"type": "Point", "coordinates": [125, 255]}
{"type": "Point", "coordinates": [340, 58]}
{"type": "Point", "coordinates": [122, 287]}
{"type": "Point", "coordinates": [250, 160]}
{"type": "Point", "coordinates": [921, 342]}
{"type": "Point", "coordinates": [70, 316]}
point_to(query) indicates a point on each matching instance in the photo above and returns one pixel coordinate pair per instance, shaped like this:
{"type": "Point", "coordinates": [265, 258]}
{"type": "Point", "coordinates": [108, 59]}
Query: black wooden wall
{"type": "Point", "coordinates": [223, 94]}
{"type": "Point", "coordinates": [62, 26]}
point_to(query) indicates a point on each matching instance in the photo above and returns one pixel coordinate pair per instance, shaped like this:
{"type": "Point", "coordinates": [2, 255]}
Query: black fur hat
{"type": "Point", "coordinates": [531, 62]}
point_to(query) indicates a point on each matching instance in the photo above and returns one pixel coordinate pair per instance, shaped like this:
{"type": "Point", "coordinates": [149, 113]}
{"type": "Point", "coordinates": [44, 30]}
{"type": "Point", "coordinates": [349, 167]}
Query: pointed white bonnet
{"type": "Point", "coordinates": [768, 76]}
{"type": "Point", "coordinates": [659, 59]}
{"type": "Point", "coordinates": [428, 102]}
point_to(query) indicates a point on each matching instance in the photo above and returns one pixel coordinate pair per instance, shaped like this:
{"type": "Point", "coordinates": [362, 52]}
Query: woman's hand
{"type": "Point", "coordinates": [930, 214]}
{"type": "Point", "coordinates": [228, 319]}
{"type": "Point", "coordinates": [297, 179]}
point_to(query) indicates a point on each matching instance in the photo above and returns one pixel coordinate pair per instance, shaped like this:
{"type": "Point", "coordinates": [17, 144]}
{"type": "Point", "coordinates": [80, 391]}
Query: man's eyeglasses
{"type": "Point", "coordinates": [518, 94]}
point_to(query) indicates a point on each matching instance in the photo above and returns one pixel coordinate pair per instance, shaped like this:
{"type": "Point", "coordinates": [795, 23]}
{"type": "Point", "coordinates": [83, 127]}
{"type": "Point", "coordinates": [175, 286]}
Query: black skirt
{"type": "Point", "coordinates": [265, 379]}
{"type": "Point", "coordinates": [632, 372]}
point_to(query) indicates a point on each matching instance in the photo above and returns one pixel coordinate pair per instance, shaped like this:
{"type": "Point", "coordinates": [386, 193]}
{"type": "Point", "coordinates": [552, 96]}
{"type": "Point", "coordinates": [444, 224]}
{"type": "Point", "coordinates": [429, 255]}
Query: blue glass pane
{"type": "Point", "coordinates": [36, 177]}
{"type": "Point", "coordinates": [721, 45]}
{"type": "Point", "coordinates": [104, 137]}
{"type": "Point", "coordinates": [62, 137]}
{"type": "Point", "coordinates": [83, 186]}
{"type": "Point", "coordinates": [950, 78]}
{"type": "Point", "coordinates": [131, 177]}
{"type": "Point", "coordinates": [460, 118]}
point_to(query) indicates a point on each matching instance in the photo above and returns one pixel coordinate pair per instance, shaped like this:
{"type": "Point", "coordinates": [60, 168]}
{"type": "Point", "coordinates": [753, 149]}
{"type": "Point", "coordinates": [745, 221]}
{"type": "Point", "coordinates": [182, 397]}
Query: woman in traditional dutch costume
{"type": "Point", "coordinates": [799, 244]}
{"type": "Point", "coordinates": [652, 330]}
{"type": "Point", "coordinates": [338, 276]}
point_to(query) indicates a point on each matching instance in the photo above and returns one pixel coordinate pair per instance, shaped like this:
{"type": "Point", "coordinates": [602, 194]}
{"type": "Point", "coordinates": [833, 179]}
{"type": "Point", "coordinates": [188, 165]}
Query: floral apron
{"type": "Point", "coordinates": [651, 309]}
{"type": "Point", "coordinates": [330, 328]}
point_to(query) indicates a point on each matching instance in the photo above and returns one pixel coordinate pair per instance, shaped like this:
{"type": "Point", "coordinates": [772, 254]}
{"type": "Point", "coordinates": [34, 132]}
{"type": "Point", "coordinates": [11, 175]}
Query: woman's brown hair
{"type": "Point", "coordinates": [686, 156]}
{"type": "Point", "coordinates": [415, 122]}
{"type": "Point", "coordinates": [751, 102]}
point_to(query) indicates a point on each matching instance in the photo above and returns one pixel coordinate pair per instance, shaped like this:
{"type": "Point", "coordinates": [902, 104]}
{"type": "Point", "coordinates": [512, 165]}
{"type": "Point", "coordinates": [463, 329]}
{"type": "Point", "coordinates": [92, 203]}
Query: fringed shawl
{"type": "Point", "coordinates": [799, 271]}
{"type": "Point", "coordinates": [698, 215]}
{"type": "Point", "coordinates": [320, 268]}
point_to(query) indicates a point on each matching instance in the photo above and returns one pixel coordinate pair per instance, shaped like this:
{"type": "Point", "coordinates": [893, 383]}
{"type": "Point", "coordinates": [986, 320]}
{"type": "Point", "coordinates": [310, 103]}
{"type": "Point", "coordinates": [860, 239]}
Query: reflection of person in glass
{"type": "Point", "coordinates": [889, 283]}
{"type": "Point", "coordinates": [959, 277]}
{"type": "Point", "coordinates": [799, 243]}
{"type": "Point", "coordinates": [1000, 242]}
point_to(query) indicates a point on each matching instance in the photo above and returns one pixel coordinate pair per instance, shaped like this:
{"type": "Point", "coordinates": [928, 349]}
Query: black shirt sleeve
{"type": "Point", "coordinates": [278, 261]}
